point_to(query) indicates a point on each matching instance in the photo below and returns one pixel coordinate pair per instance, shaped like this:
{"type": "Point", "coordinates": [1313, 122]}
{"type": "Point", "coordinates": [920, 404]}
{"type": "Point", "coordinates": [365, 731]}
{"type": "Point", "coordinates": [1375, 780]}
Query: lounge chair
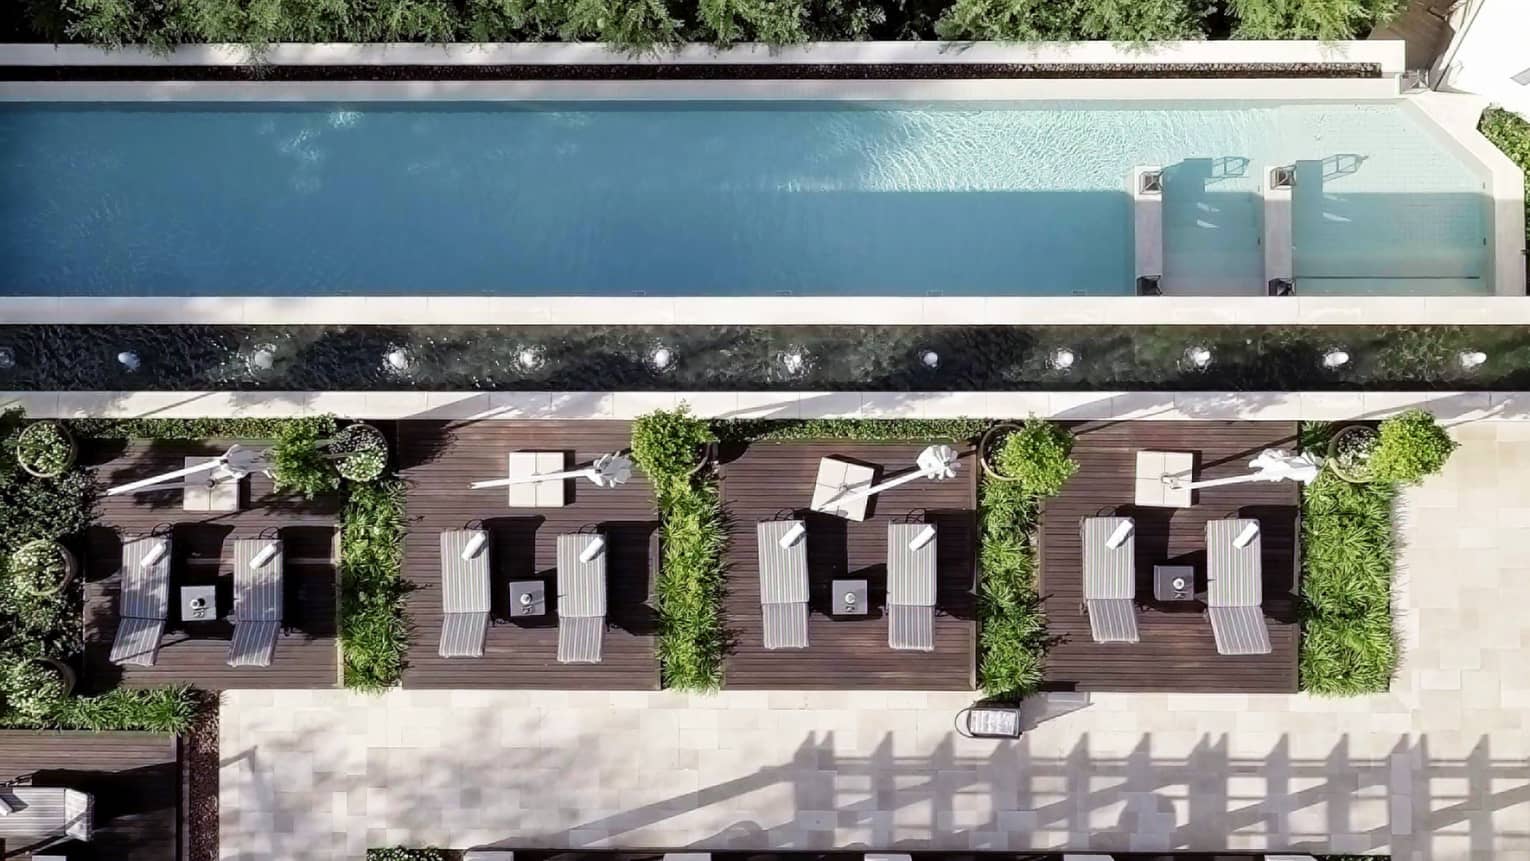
{"type": "Point", "coordinates": [145, 600]}
{"type": "Point", "coordinates": [581, 598]}
{"type": "Point", "coordinates": [1110, 578]}
{"type": "Point", "coordinates": [257, 601]}
{"type": "Point", "coordinates": [910, 587]}
{"type": "Point", "coordinates": [464, 593]}
{"type": "Point", "coordinates": [783, 583]}
{"type": "Point", "coordinates": [1235, 587]}
{"type": "Point", "coordinates": [41, 813]}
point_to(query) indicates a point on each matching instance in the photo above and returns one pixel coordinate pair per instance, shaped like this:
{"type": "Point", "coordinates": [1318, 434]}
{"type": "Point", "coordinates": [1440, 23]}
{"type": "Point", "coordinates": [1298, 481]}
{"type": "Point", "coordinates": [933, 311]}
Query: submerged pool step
{"type": "Point", "coordinates": [1279, 265]}
{"type": "Point", "coordinates": [1146, 185]}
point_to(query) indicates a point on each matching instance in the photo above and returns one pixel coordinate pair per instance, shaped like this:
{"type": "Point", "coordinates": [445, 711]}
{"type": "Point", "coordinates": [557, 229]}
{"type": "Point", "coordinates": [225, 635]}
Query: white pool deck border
{"type": "Point", "coordinates": [1451, 407]}
{"type": "Point", "coordinates": [1451, 116]}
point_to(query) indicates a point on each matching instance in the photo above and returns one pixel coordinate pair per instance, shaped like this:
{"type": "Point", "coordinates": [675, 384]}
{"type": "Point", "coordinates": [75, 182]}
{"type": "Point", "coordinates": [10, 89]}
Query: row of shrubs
{"type": "Point", "coordinates": [44, 499]}
{"type": "Point", "coordinates": [1510, 132]}
{"type": "Point", "coordinates": [645, 23]}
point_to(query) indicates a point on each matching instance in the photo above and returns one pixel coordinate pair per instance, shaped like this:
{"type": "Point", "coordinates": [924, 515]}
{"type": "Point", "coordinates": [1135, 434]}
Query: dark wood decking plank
{"type": "Point", "coordinates": [439, 460]}
{"type": "Point", "coordinates": [306, 655]}
{"type": "Point", "coordinates": [1177, 651]}
{"type": "Point", "coordinates": [770, 480]}
{"type": "Point", "coordinates": [133, 777]}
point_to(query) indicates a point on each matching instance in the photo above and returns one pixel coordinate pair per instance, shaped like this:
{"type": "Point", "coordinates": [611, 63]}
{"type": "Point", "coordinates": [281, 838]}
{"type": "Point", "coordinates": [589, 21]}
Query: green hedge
{"type": "Point", "coordinates": [864, 430]}
{"type": "Point", "coordinates": [666, 444]}
{"type": "Point", "coordinates": [1510, 132]}
{"type": "Point", "coordinates": [168, 709]}
{"type": "Point", "coordinates": [374, 629]}
{"type": "Point", "coordinates": [644, 23]}
{"type": "Point", "coordinates": [1348, 646]}
{"type": "Point", "coordinates": [323, 426]}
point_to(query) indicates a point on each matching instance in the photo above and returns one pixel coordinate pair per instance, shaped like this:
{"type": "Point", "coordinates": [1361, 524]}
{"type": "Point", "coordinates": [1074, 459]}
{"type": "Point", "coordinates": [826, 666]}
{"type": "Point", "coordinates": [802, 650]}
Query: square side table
{"type": "Point", "coordinates": [1155, 466]}
{"type": "Point", "coordinates": [849, 598]}
{"type": "Point", "coordinates": [528, 598]}
{"type": "Point", "coordinates": [1173, 583]}
{"type": "Point", "coordinates": [199, 603]}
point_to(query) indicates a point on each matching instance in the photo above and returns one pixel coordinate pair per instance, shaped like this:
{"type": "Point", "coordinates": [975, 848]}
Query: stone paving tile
{"type": "Point", "coordinates": [1434, 770]}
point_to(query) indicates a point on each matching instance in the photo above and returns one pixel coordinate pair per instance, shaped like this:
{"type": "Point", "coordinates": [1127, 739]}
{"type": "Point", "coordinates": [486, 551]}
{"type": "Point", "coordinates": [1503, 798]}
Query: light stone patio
{"type": "Point", "coordinates": [1435, 770]}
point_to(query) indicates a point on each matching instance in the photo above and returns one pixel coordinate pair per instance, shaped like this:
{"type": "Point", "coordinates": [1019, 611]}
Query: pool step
{"type": "Point", "coordinates": [1278, 267]}
{"type": "Point", "coordinates": [1146, 185]}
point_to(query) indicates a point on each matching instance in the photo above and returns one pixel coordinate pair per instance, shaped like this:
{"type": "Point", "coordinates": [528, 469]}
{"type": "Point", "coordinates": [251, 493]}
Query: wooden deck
{"type": "Point", "coordinates": [134, 778]}
{"type": "Point", "coordinates": [767, 481]}
{"type": "Point", "coordinates": [306, 654]}
{"type": "Point", "coordinates": [439, 460]}
{"type": "Point", "coordinates": [1176, 652]}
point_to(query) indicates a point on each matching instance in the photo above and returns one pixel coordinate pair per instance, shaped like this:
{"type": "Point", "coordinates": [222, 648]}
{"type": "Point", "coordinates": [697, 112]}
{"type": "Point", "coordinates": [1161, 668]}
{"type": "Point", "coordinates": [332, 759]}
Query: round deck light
{"type": "Point", "coordinates": [529, 358]}
{"type": "Point", "coordinates": [930, 359]}
{"type": "Point", "coordinates": [397, 360]}
{"type": "Point", "coordinates": [7, 358]}
{"type": "Point", "coordinates": [128, 360]}
{"type": "Point", "coordinates": [794, 360]}
{"type": "Point", "coordinates": [264, 358]}
{"type": "Point", "coordinates": [1470, 360]}
{"type": "Point", "coordinates": [1334, 359]}
{"type": "Point", "coordinates": [1198, 357]}
{"type": "Point", "coordinates": [1062, 358]}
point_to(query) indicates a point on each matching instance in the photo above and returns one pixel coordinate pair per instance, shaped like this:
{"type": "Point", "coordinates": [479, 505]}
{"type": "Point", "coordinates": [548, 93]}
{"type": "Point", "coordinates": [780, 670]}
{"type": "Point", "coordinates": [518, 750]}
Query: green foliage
{"type": "Point", "coordinates": [374, 630]}
{"type": "Point", "coordinates": [1330, 20]}
{"type": "Point", "coordinates": [1012, 633]}
{"type": "Point", "coordinates": [201, 429]}
{"type": "Point", "coordinates": [45, 448]}
{"type": "Point", "coordinates": [169, 709]}
{"type": "Point", "coordinates": [1510, 132]}
{"type": "Point", "coordinates": [299, 462]}
{"type": "Point", "coordinates": [777, 22]}
{"type": "Point", "coordinates": [667, 445]}
{"type": "Point", "coordinates": [401, 853]}
{"type": "Point", "coordinates": [1037, 456]}
{"type": "Point", "coordinates": [864, 430]}
{"type": "Point", "coordinates": [1044, 20]}
{"type": "Point", "coordinates": [1411, 446]}
{"type": "Point", "coordinates": [30, 691]}
{"type": "Point", "coordinates": [634, 24]}
{"type": "Point", "coordinates": [1347, 647]}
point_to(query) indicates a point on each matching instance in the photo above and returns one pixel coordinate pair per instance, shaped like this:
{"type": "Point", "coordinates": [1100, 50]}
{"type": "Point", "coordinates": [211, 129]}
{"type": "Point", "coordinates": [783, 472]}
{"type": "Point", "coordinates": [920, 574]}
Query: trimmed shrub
{"type": "Point", "coordinates": [1409, 447]}
{"type": "Point", "coordinates": [30, 691]}
{"type": "Point", "coordinates": [1510, 132]}
{"type": "Point", "coordinates": [169, 709]}
{"type": "Point", "coordinates": [1037, 455]}
{"type": "Point", "coordinates": [299, 462]}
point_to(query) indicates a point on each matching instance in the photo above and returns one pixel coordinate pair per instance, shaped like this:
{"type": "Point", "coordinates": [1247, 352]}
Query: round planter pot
{"type": "Point", "coordinates": [74, 451]}
{"type": "Point", "coordinates": [65, 673]}
{"type": "Point", "coordinates": [70, 564]}
{"type": "Point", "coordinates": [363, 436]}
{"type": "Point", "coordinates": [708, 455]}
{"type": "Point", "coordinates": [985, 449]}
{"type": "Point", "coordinates": [1344, 435]}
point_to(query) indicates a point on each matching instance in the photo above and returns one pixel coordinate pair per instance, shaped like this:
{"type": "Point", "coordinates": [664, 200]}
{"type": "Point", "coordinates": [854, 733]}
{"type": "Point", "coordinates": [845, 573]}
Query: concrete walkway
{"type": "Point", "coordinates": [1434, 770]}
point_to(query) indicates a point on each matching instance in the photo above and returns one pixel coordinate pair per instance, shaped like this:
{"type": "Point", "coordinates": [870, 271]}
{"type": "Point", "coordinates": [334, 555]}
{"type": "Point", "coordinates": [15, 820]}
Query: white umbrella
{"type": "Point", "coordinates": [608, 470]}
{"type": "Point", "coordinates": [1272, 464]}
{"type": "Point", "coordinates": [937, 462]}
{"type": "Point", "coordinates": [232, 465]}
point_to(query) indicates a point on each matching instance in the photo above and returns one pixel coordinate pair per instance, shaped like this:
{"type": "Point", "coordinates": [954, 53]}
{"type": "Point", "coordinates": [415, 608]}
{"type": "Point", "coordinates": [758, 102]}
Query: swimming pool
{"type": "Point", "coordinates": [718, 199]}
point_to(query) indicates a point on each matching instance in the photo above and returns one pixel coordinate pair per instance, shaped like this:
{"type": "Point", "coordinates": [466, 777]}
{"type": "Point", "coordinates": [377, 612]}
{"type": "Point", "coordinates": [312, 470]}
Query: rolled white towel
{"type": "Point", "coordinates": [592, 550]}
{"type": "Point", "coordinates": [925, 536]}
{"type": "Point", "coordinates": [474, 545]}
{"type": "Point", "coordinates": [156, 553]}
{"type": "Point", "coordinates": [1249, 533]}
{"type": "Point", "coordinates": [792, 535]}
{"type": "Point", "coordinates": [1118, 537]}
{"type": "Point", "coordinates": [266, 554]}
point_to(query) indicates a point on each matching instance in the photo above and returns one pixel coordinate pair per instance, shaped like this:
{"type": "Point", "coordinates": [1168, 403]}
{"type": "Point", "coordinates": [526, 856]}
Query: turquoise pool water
{"type": "Point", "coordinates": [717, 199]}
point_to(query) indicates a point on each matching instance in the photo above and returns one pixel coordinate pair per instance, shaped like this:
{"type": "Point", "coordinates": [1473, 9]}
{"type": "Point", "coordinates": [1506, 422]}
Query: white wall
{"type": "Point", "coordinates": [1492, 44]}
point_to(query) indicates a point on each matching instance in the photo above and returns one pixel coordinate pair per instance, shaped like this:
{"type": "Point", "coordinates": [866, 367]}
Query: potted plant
{"type": "Point", "coordinates": [32, 688]}
{"type": "Point", "coordinates": [672, 443]}
{"type": "Point", "coordinates": [360, 452]}
{"type": "Point", "coordinates": [299, 462]}
{"type": "Point", "coordinates": [1035, 454]}
{"type": "Point", "coordinates": [1350, 452]}
{"type": "Point", "coordinates": [41, 568]}
{"type": "Point", "coordinates": [45, 449]}
{"type": "Point", "coordinates": [1409, 447]}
